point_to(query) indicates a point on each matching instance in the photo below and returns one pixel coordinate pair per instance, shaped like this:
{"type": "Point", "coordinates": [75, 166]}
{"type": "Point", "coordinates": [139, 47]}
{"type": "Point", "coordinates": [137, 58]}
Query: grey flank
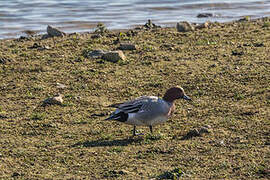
{"type": "Point", "coordinates": [153, 110]}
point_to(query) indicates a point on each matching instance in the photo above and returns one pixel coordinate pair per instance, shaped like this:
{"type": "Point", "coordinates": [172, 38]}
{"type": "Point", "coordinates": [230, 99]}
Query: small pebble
{"type": "Point", "coordinates": [127, 46]}
{"type": "Point", "coordinates": [204, 130]}
{"type": "Point", "coordinates": [15, 174]}
{"type": "Point", "coordinates": [184, 26]}
{"type": "Point", "coordinates": [52, 31]}
{"type": "Point", "coordinates": [114, 56]}
{"type": "Point", "coordinates": [204, 15]}
{"type": "Point", "coordinates": [4, 60]}
{"type": "Point", "coordinates": [96, 36]}
{"type": "Point", "coordinates": [222, 143]}
{"type": "Point", "coordinates": [54, 100]}
{"type": "Point", "coordinates": [192, 133]}
{"type": "Point", "coordinates": [60, 86]}
{"type": "Point", "coordinates": [95, 53]}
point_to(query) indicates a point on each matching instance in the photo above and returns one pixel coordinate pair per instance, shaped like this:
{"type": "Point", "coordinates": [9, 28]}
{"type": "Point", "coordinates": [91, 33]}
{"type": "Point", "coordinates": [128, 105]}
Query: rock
{"type": "Point", "coordinates": [116, 41]}
{"type": "Point", "coordinates": [123, 172]}
{"type": "Point", "coordinates": [258, 44]}
{"type": "Point", "coordinates": [194, 132]}
{"type": "Point", "coordinates": [205, 15]}
{"type": "Point", "coordinates": [191, 133]}
{"type": "Point", "coordinates": [237, 53]}
{"type": "Point", "coordinates": [114, 56]}
{"type": "Point", "coordinates": [204, 130]}
{"type": "Point", "coordinates": [96, 36]}
{"type": "Point", "coordinates": [39, 47]}
{"type": "Point", "coordinates": [60, 86]}
{"type": "Point", "coordinates": [222, 143]}
{"type": "Point", "coordinates": [22, 38]}
{"type": "Point", "coordinates": [184, 26]}
{"type": "Point", "coordinates": [246, 18]}
{"type": "Point", "coordinates": [99, 114]}
{"type": "Point", "coordinates": [15, 174]}
{"type": "Point", "coordinates": [127, 46]}
{"type": "Point", "coordinates": [212, 66]}
{"type": "Point", "coordinates": [45, 48]}
{"type": "Point", "coordinates": [3, 116]}
{"type": "Point", "coordinates": [150, 25]}
{"type": "Point", "coordinates": [207, 126]}
{"type": "Point", "coordinates": [45, 36]}
{"type": "Point", "coordinates": [131, 33]}
{"type": "Point", "coordinates": [58, 99]}
{"type": "Point", "coordinates": [4, 60]}
{"type": "Point", "coordinates": [30, 32]}
{"type": "Point", "coordinates": [203, 25]}
{"type": "Point", "coordinates": [101, 29]}
{"type": "Point", "coordinates": [95, 53]}
{"type": "Point", "coordinates": [35, 45]}
{"type": "Point", "coordinates": [74, 34]}
{"type": "Point", "coordinates": [54, 32]}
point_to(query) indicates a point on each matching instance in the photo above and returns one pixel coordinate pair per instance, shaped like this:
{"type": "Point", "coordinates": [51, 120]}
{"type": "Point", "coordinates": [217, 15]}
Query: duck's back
{"type": "Point", "coordinates": [153, 111]}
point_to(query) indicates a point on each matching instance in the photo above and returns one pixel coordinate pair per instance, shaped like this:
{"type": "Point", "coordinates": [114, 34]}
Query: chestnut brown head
{"type": "Point", "coordinates": [175, 93]}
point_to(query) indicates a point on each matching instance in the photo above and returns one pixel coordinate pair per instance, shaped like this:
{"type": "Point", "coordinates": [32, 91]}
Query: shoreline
{"type": "Point", "coordinates": [36, 34]}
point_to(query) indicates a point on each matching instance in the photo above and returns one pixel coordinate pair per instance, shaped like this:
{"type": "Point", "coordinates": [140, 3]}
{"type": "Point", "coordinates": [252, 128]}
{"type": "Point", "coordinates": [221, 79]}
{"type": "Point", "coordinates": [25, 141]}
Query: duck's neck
{"type": "Point", "coordinates": [168, 99]}
{"type": "Point", "coordinates": [170, 103]}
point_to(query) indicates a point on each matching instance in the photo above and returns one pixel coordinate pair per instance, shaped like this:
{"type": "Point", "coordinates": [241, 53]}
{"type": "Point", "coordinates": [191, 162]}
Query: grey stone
{"type": "Point", "coordinates": [52, 31]}
{"type": "Point", "coordinates": [45, 36]}
{"type": "Point", "coordinates": [205, 15]}
{"type": "Point", "coordinates": [150, 25]}
{"type": "Point", "coordinates": [203, 25]}
{"type": "Point", "coordinates": [96, 36]}
{"type": "Point", "coordinates": [191, 133]}
{"type": "Point", "coordinates": [246, 18]}
{"type": "Point", "coordinates": [204, 130]}
{"type": "Point", "coordinates": [4, 60]}
{"type": "Point", "coordinates": [60, 86]}
{"type": "Point", "coordinates": [114, 56]}
{"type": "Point", "coordinates": [22, 38]}
{"type": "Point", "coordinates": [184, 26]}
{"type": "Point", "coordinates": [58, 99]}
{"type": "Point", "coordinates": [96, 53]}
{"type": "Point", "coordinates": [127, 46]}
{"type": "Point", "coordinates": [222, 143]}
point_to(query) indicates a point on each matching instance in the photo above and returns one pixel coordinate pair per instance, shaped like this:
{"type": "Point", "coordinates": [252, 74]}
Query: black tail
{"type": "Point", "coordinates": [120, 116]}
{"type": "Point", "coordinates": [107, 119]}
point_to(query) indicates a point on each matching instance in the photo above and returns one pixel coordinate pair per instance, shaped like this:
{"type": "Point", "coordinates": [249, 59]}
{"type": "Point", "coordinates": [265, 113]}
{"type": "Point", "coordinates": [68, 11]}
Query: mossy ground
{"type": "Point", "coordinates": [225, 69]}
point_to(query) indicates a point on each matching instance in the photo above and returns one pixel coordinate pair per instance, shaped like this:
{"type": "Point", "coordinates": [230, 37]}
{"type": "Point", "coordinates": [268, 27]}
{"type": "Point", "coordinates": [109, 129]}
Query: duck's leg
{"type": "Point", "coordinates": [134, 130]}
{"type": "Point", "coordinates": [135, 133]}
{"type": "Point", "coordinates": [151, 129]}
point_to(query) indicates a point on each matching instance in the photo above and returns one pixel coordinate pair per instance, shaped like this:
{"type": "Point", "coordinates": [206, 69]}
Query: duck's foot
{"type": "Point", "coordinates": [151, 129]}
{"type": "Point", "coordinates": [138, 134]}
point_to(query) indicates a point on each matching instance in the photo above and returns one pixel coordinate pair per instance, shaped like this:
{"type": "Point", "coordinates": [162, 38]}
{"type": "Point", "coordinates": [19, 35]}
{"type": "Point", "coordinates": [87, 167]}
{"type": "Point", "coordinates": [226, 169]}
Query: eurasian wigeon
{"type": "Point", "coordinates": [148, 110]}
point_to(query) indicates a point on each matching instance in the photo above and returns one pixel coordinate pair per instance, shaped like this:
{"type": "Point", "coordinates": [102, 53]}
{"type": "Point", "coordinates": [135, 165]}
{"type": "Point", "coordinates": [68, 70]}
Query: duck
{"type": "Point", "coordinates": [147, 110]}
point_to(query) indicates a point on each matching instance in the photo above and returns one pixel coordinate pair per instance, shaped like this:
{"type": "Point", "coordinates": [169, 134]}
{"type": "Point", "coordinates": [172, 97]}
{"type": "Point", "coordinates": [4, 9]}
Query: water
{"type": "Point", "coordinates": [18, 16]}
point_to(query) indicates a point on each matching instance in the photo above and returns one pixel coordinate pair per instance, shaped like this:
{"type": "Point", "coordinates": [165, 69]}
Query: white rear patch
{"type": "Point", "coordinates": [133, 121]}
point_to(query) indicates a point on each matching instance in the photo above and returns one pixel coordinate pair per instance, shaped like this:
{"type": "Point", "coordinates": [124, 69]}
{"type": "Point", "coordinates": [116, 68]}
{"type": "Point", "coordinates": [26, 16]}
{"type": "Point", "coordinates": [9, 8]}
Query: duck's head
{"type": "Point", "coordinates": [175, 93]}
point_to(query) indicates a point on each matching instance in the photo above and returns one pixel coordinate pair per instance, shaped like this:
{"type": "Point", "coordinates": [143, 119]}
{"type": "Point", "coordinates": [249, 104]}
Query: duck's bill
{"type": "Point", "coordinates": [186, 98]}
